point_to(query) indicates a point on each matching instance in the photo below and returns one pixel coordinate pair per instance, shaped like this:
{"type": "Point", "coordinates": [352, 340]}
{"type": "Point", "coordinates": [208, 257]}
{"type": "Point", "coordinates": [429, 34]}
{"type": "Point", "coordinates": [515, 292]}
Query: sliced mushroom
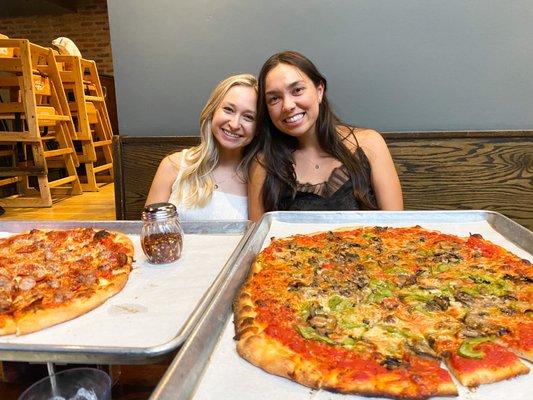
{"type": "Point", "coordinates": [463, 297]}
{"type": "Point", "coordinates": [422, 349]}
{"type": "Point", "coordinates": [323, 324]}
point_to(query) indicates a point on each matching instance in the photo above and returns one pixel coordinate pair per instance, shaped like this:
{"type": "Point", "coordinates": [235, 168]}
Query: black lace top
{"type": "Point", "coordinates": [336, 194]}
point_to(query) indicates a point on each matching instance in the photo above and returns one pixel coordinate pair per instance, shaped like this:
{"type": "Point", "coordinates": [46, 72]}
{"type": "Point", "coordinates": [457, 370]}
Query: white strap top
{"type": "Point", "coordinates": [221, 206]}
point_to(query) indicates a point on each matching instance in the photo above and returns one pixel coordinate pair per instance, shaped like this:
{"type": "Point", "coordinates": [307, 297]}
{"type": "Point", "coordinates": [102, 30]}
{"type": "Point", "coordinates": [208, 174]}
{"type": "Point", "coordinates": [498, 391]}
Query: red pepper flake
{"type": "Point", "coordinates": [162, 248]}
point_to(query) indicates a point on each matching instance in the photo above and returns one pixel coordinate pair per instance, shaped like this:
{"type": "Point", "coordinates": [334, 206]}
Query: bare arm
{"type": "Point", "coordinates": [384, 177]}
{"type": "Point", "coordinates": [255, 190]}
{"type": "Point", "coordinates": [163, 180]}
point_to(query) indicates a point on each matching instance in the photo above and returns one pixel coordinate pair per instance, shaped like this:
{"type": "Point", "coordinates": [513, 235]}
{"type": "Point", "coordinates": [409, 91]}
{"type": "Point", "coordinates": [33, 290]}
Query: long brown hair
{"type": "Point", "coordinates": [277, 147]}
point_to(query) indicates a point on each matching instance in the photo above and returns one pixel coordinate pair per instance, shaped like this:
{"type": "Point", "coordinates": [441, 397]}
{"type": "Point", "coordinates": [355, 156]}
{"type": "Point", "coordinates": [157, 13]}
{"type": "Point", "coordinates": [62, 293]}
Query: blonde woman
{"type": "Point", "coordinates": [207, 181]}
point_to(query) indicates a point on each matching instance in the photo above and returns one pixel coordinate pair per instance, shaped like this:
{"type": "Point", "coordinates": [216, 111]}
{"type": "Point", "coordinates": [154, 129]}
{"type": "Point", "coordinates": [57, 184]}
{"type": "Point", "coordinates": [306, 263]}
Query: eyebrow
{"type": "Point", "coordinates": [290, 86]}
{"type": "Point", "coordinates": [234, 106]}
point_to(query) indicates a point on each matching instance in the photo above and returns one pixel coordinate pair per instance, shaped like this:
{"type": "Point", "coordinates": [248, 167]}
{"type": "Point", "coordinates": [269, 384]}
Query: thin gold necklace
{"type": "Point", "coordinates": [217, 184]}
{"type": "Point", "coordinates": [314, 164]}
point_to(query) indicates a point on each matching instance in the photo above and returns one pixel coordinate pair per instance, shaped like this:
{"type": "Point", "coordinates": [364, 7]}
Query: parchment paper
{"type": "Point", "coordinates": [156, 301]}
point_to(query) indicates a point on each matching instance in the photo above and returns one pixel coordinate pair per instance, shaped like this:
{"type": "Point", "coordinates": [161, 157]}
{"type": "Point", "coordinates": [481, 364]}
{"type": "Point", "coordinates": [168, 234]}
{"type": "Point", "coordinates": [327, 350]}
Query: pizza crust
{"type": "Point", "coordinates": [276, 359]}
{"type": "Point", "coordinates": [387, 388]}
{"type": "Point", "coordinates": [489, 375]}
{"type": "Point", "coordinates": [36, 320]}
{"type": "Point", "coordinates": [7, 325]}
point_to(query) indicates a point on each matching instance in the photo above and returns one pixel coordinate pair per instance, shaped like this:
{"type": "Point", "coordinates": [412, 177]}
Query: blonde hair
{"type": "Point", "coordinates": [196, 185]}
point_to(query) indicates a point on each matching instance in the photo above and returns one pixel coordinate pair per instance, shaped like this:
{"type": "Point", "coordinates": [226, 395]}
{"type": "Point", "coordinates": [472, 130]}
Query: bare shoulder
{"type": "Point", "coordinates": [259, 158]}
{"type": "Point", "coordinates": [171, 163]}
{"type": "Point", "coordinates": [174, 159]}
{"type": "Point", "coordinates": [367, 139]}
{"type": "Point", "coordinates": [258, 163]}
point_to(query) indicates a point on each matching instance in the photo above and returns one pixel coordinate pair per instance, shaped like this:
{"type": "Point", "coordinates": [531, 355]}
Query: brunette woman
{"type": "Point", "coordinates": [208, 181]}
{"type": "Point", "coordinates": [304, 157]}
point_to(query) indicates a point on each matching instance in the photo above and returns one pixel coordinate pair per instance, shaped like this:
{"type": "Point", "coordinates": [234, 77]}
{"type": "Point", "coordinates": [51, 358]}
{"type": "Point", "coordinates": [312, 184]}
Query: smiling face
{"type": "Point", "coordinates": [293, 100]}
{"type": "Point", "coordinates": [233, 122]}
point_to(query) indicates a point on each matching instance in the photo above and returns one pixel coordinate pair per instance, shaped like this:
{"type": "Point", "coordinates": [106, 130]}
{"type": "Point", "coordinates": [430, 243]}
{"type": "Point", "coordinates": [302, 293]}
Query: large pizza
{"type": "Point", "coordinates": [52, 276]}
{"type": "Point", "coordinates": [376, 310]}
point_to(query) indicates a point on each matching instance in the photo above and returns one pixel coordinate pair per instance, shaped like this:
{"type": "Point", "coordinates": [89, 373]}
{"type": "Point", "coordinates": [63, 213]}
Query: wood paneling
{"type": "Point", "coordinates": [438, 170]}
{"type": "Point", "coordinates": [478, 170]}
{"type": "Point", "coordinates": [136, 160]}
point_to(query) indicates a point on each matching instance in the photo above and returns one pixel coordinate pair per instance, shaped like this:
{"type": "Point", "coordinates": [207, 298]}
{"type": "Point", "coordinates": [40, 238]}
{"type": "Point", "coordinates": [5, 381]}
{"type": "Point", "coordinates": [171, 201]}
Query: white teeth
{"type": "Point", "coordinates": [231, 134]}
{"type": "Point", "coordinates": [294, 118]}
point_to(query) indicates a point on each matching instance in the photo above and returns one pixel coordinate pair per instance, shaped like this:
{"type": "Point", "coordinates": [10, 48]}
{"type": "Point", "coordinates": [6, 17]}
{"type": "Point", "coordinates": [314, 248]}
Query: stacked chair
{"type": "Point", "coordinates": [55, 133]}
{"type": "Point", "coordinates": [93, 133]}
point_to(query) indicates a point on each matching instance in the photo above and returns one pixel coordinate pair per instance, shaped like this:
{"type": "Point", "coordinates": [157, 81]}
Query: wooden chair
{"type": "Point", "coordinates": [93, 128]}
{"type": "Point", "coordinates": [40, 125]}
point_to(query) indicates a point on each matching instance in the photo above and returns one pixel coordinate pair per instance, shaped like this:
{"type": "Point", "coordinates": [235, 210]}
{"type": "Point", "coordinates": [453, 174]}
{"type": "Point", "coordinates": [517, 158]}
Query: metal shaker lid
{"type": "Point", "coordinates": [159, 211]}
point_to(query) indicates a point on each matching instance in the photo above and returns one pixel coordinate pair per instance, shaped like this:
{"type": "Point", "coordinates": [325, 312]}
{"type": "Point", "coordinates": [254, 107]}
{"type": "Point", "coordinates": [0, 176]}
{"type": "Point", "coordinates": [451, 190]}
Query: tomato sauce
{"type": "Point", "coordinates": [495, 356]}
{"type": "Point", "coordinates": [487, 249]}
{"type": "Point", "coordinates": [521, 336]}
{"type": "Point", "coordinates": [352, 366]}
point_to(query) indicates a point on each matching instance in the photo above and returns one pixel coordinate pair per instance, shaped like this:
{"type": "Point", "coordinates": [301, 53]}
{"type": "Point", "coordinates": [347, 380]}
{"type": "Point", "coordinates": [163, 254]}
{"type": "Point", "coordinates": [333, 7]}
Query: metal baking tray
{"type": "Point", "coordinates": [208, 365]}
{"type": "Point", "coordinates": [213, 247]}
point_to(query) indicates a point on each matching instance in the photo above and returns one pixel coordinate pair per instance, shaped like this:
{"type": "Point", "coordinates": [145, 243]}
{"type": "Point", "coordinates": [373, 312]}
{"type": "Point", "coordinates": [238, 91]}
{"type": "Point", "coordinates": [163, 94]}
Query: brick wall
{"type": "Point", "coordinates": [88, 28]}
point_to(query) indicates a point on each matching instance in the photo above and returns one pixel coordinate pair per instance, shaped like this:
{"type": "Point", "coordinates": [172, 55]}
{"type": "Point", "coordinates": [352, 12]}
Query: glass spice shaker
{"type": "Point", "coordinates": [161, 236]}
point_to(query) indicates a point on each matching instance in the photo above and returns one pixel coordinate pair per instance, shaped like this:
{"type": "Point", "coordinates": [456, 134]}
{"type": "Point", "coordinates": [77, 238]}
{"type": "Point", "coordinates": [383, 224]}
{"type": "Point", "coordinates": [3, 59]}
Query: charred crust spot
{"type": "Point", "coordinates": [476, 235]}
{"type": "Point", "coordinates": [246, 308]}
{"type": "Point", "coordinates": [245, 296]}
{"type": "Point", "coordinates": [248, 330]}
{"type": "Point", "coordinates": [246, 322]}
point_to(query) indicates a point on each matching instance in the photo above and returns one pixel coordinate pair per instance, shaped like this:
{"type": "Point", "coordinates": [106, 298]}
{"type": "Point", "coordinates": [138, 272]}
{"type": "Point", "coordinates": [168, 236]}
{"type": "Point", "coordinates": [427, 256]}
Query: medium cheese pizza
{"type": "Point", "coordinates": [376, 310]}
{"type": "Point", "coordinates": [51, 276]}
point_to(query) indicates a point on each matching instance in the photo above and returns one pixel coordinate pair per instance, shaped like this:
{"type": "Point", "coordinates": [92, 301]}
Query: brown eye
{"type": "Point", "coordinates": [272, 100]}
{"type": "Point", "coordinates": [298, 90]}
